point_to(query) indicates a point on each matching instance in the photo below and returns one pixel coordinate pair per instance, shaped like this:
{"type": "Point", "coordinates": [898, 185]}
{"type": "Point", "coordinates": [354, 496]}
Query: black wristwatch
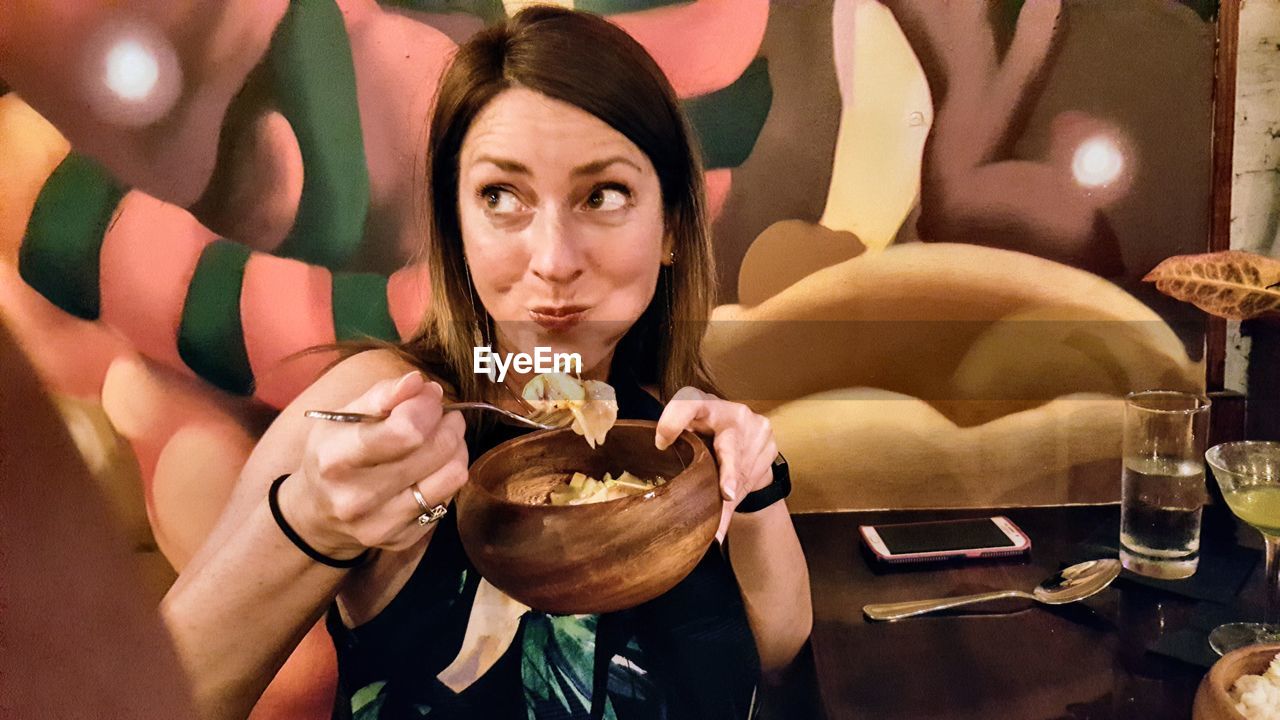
{"type": "Point", "coordinates": [777, 490]}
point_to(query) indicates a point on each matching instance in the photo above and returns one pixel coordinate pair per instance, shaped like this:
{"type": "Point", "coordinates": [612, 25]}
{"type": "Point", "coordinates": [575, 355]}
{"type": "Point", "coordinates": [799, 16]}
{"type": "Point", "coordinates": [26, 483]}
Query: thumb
{"type": "Point", "coordinates": [382, 398]}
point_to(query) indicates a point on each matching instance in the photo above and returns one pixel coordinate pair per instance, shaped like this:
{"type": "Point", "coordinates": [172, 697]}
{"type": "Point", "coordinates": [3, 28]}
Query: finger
{"type": "Point", "coordinates": [439, 487]}
{"type": "Point", "coordinates": [761, 473]}
{"type": "Point", "coordinates": [727, 445]}
{"type": "Point", "coordinates": [411, 424]}
{"type": "Point", "coordinates": [384, 396]}
{"type": "Point", "coordinates": [394, 525]}
{"type": "Point", "coordinates": [437, 449]}
{"type": "Point", "coordinates": [688, 410]}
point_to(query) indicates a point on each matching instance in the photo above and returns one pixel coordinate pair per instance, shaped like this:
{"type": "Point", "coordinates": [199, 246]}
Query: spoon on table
{"type": "Point", "coordinates": [1072, 583]}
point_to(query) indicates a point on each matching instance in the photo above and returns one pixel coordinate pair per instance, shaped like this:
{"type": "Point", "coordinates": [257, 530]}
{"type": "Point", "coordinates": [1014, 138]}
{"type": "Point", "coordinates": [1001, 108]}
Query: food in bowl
{"type": "Point", "coordinates": [582, 489]}
{"type": "Point", "coordinates": [1257, 697]}
{"type": "Point", "coordinates": [594, 557]}
{"type": "Point", "coordinates": [593, 404]}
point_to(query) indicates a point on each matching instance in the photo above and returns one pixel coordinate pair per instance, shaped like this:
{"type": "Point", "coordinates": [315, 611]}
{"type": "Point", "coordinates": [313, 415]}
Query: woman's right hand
{"type": "Point", "coordinates": [354, 489]}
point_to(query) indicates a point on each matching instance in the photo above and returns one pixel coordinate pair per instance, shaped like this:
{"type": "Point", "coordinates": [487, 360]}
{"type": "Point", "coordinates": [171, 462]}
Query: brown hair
{"type": "Point", "coordinates": [581, 59]}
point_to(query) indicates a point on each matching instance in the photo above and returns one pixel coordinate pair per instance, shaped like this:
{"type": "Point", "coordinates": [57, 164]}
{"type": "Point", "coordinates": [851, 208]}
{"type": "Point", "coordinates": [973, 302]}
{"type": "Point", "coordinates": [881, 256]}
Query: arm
{"type": "Point", "coordinates": [764, 550]}
{"type": "Point", "coordinates": [774, 578]}
{"type": "Point", "coordinates": [249, 595]}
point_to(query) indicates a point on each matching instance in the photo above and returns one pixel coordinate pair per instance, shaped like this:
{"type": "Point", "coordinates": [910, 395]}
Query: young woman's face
{"type": "Point", "coordinates": [562, 223]}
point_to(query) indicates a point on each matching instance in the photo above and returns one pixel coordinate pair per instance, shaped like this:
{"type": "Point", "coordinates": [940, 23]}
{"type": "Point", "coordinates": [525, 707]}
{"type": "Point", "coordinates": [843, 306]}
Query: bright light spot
{"type": "Point", "coordinates": [131, 73]}
{"type": "Point", "coordinates": [1097, 161]}
{"type": "Point", "coordinates": [132, 70]}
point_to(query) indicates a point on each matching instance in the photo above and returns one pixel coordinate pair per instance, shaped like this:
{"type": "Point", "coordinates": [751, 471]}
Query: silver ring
{"type": "Point", "coordinates": [429, 514]}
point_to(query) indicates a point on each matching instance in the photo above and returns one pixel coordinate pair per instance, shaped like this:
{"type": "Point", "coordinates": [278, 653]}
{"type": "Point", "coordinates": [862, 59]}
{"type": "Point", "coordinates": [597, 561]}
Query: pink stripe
{"type": "Point", "coordinates": [701, 47]}
{"type": "Point", "coordinates": [408, 297]}
{"type": "Point", "coordinates": [285, 306]}
{"type": "Point", "coordinates": [148, 258]}
{"type": "Point", "coordinates": [71, 355]}
{"type": "Point", "coordinates": [719, 183]}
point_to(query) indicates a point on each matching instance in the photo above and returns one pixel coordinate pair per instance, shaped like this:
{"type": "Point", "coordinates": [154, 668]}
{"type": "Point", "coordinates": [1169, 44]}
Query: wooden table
{"type": "Point", "coordinates": [1082, 661]}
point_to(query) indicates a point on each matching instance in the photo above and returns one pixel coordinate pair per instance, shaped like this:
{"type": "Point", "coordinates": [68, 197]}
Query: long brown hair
{"type": "Point", "coordinates": [581, 59]}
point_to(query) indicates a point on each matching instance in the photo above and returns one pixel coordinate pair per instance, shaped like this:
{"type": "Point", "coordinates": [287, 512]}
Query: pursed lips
{"type": "Point", "coordinates": [558, 317]}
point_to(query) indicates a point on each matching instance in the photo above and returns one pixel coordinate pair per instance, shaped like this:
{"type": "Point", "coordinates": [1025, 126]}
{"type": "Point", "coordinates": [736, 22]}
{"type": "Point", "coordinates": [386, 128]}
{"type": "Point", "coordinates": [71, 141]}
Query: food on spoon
{"type": "Point", "coordinates": [593, 404]}
{"type": "Point", "coordinates": [582, 489]}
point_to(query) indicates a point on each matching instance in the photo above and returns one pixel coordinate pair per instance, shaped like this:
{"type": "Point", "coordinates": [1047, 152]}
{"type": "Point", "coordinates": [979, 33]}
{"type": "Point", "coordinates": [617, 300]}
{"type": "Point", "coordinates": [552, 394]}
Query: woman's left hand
{"type": "Point", "coordinates": [743, 440]}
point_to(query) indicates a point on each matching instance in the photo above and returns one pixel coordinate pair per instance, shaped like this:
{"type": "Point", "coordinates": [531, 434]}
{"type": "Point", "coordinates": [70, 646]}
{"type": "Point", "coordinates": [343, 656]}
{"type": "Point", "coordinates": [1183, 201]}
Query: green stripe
{"type": "Point", "coordinates": [211, 336]}
{"type": "Point", "coordinates": [487, 10]}
{"type": "Point", "coordinates": [615, 7]}
{"type": "Point", "coordinates": [728, 121]}
{"type": "Point", "coordinates": [60, 252]}
{"type": "Point", "coordinates": [360, 308]}
{"type": "Point", "coordinates": [315, 85]}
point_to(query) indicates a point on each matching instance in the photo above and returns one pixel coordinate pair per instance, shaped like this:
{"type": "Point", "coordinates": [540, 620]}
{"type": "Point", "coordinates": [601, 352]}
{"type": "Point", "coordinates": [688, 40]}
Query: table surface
{"type": "Point", "coordinates": [1006, 660]}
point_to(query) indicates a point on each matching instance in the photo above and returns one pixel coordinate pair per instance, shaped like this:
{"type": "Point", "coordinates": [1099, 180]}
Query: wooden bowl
{"type": "Point", "coordinates": [1213, 701]}
{"type": "Point", "coordinates": [596, 557]}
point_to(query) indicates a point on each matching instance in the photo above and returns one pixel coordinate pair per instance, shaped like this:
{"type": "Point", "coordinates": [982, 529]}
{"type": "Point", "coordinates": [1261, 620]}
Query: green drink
{"type": "Point", "coordinates": [1259, 506]}
{"type": "Point", "coordinates": [1249, 474]}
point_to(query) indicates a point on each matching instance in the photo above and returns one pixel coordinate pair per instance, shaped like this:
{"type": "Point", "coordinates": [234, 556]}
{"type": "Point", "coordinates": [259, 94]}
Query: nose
{"type": "Point", "coordinates": [554, 255]}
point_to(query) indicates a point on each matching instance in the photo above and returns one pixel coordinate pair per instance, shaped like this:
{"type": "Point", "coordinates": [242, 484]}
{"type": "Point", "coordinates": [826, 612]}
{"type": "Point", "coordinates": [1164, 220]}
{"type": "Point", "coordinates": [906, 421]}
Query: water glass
{"type": "Point", "coordinates": [1162, 486]}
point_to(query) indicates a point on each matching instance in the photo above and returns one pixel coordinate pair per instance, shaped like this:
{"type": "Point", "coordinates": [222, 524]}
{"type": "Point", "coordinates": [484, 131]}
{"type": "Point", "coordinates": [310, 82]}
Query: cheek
{"type": "Point", "coordinates": [631, 272]}
{"type": "Point", "coordinates": [495, 261]}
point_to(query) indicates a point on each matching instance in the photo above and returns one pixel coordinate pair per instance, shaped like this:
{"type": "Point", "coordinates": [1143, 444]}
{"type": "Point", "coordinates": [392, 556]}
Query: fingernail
{"type": "Point", "coordinates": [728, 492]}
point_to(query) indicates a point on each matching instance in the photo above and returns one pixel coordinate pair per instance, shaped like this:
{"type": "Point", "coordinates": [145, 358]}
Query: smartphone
{"type": "Point", "coordinates": [945, 540]}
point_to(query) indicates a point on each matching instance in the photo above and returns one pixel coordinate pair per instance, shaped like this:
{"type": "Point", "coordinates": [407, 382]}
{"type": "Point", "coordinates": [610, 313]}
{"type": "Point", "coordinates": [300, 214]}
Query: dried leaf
{"type": "Point", "coordinates": [1230, 284]}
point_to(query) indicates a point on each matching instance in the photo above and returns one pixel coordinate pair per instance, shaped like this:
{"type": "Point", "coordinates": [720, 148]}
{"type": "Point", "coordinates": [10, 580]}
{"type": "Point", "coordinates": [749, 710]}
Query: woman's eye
{"type": "Point", "coordinates": [608, 197]}
{"type": "Point", "coordinates": [499, 200]}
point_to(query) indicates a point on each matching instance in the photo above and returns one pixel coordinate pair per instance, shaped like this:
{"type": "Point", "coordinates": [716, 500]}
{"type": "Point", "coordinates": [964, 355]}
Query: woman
{"type": "Point", "coordinates": [566, 212]}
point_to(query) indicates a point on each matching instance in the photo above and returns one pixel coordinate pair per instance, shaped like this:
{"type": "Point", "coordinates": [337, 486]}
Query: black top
{"type": "Point", "coordinates": [688, 653]}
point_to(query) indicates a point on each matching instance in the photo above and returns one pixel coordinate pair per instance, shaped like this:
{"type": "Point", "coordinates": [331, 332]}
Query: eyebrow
{"type": "Point", "coordinates": [590, 168]}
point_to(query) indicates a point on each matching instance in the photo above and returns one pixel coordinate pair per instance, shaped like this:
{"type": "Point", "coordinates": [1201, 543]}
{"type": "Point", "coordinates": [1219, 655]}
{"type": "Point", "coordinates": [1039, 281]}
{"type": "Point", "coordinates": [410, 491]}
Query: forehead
{"type": "Point", "coordinates": [541, 132]}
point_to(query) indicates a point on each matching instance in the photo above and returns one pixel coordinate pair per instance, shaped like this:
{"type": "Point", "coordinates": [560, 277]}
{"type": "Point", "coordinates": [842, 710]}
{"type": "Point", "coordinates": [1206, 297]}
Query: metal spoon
{"type": "Point", "coordinates": [543, 420]}
{"type": "Point", "coordinates": [1072, 583]}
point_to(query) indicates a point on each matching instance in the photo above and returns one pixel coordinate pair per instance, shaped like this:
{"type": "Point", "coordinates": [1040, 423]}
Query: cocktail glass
{"type": "Point", "coordinates": [1249, 474]}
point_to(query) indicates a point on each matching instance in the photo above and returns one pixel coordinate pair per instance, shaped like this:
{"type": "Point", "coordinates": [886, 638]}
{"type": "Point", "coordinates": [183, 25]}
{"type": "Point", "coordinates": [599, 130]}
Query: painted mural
{"type": "Point", "coordinates": [931, 220]}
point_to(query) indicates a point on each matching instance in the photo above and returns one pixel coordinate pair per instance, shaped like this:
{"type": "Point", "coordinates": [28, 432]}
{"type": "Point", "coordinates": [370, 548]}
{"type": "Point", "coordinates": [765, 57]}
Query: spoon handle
{"type": "Point", "coordinates": [899, 610]}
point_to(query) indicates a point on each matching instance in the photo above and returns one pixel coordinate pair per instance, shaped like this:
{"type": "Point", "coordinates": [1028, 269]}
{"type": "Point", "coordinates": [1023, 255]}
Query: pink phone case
{"type": "Point", "coordinates": [1022, 544]}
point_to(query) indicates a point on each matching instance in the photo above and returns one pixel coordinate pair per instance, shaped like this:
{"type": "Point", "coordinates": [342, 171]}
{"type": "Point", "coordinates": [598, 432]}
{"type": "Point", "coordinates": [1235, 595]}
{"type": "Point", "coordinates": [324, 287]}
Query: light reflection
{"type": "Point", "coordinates": [132, 72]}
{"type": "Point", "coordinates": [1097, 161]}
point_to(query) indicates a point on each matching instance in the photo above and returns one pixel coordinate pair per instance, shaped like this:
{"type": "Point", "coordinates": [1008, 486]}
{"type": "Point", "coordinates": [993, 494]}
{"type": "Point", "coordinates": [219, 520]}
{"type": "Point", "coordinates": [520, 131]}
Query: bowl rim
{"type": "Point", "coordinates": [700, 453]}
{"type": "Point", "coordinates": [1217, 682]}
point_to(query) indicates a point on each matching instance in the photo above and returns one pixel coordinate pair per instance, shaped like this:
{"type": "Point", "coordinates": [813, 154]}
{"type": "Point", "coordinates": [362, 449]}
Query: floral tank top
{"type": "Point", "coordinates": [450, 645]}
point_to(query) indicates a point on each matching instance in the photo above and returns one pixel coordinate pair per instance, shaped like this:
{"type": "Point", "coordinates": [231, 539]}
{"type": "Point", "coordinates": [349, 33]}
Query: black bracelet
{"type": "Point", "coordinates": [777, 490]}
{"type": "Point", "coordinates": [273, 499]}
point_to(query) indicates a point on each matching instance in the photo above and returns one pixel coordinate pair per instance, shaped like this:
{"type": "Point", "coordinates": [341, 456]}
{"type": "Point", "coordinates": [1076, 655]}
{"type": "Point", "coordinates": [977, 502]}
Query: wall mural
{"type": "Point", "coordinates": [931, 224]}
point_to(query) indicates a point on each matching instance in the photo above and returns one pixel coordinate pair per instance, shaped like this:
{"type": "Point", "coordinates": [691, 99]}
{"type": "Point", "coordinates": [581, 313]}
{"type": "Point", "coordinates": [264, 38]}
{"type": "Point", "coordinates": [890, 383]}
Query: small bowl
{"type": "Point", "coordinates": [1213, 699]}
{"type": "Point", "coordinates": [595, 557]}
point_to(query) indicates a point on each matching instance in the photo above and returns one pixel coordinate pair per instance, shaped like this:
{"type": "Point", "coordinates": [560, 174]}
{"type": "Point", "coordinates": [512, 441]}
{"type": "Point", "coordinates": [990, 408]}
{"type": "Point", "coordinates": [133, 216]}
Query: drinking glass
{"type": "Point", "coordinates": [1249, 474]}
{"type": "Point", "coordinates": [1162, 486]}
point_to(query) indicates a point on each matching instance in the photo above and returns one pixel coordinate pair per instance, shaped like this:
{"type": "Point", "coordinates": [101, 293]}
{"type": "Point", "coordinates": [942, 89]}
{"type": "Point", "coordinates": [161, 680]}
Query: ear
{"type": "Point", "coordinates": [668, 249]}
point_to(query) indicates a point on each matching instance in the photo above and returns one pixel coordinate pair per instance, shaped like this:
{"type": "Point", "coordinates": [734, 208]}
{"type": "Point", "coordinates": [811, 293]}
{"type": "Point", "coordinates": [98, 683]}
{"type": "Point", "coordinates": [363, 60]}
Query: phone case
{"type": "Point", "coordinates": [1022, 544]}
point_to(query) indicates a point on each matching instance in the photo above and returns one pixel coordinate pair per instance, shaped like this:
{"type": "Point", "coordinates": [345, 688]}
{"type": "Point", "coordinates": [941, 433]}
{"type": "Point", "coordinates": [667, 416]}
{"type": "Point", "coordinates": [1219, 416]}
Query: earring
{"type": "Point", "coordinates": [671, 258]}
